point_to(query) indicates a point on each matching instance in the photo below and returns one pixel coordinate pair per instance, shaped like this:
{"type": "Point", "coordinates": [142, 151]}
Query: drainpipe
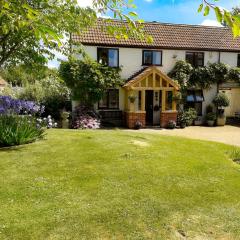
{"type": "Point", "coordinates": [219, 60]}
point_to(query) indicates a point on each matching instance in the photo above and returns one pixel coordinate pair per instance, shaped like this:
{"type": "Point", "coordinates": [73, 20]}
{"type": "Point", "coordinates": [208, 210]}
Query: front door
{"type": "Point", "coordinates": [149, 107]}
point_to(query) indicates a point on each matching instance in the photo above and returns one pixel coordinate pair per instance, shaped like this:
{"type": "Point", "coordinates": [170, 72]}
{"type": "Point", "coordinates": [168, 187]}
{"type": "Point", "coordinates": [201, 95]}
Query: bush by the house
{"type": "Point", "coordinates": [21, 122]}
{"type": "Point", "coordinates": [211, 116]}
{"type": "Point", "coordinates": [190, 115]}
{"type": "Point", "coordinates": [85, 118]}
{"type": "Point", "coordinates": [221, 100]}
{"type": "Point", "coordinates": [50, 92]}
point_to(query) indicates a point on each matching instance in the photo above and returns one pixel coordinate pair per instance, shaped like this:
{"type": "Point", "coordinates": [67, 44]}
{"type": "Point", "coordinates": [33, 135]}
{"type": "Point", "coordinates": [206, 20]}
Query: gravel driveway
{"type": "Point", "coordinates": [227, 134]}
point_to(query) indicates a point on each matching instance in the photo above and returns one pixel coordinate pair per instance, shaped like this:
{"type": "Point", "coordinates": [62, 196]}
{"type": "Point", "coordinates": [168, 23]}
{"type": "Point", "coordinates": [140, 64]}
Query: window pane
{"type": "Point", "coordinates": [113, 98]}
{"type": "Point", "coordinates": [103, 102]}
{"type": "Point", "coordinates": [238, 61]}
{"type": "Point", "coordinates": [190, 58]}
{"type": "Point", "coordinates": [139, 100]}
{"type": "Point", "coordinates": [113, 58]}
{"type": "Point", "coordinates": [147, 57]}
{"type": "Point", "coordinates": [103, 56]}
{"type": "Point", "coordinates": [157, 58]}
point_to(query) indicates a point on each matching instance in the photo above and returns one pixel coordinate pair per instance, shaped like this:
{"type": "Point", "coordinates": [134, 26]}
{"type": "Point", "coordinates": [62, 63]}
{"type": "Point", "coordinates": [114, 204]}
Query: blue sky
{"type": "Point", "coordinates": [177, 11]}
{"type": "Point", "coordinates": [170, 11]}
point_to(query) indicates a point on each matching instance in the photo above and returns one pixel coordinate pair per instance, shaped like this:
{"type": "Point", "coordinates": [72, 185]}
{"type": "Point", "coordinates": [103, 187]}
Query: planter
{"type": "Point", "coordinates": [198, 121]}
{"type": "Point", "coordinates": [210, 123]}
{"type": "Point", "coordinates": [221, 121]}
{"type": "Point", "coordinates": [182, 125]}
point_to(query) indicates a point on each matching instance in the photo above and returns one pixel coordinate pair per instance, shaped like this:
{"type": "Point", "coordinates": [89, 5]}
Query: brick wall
{"type": "Point", "coordinates": [132, 117]}
{"type": "Point", "coordinates": [166, 117]}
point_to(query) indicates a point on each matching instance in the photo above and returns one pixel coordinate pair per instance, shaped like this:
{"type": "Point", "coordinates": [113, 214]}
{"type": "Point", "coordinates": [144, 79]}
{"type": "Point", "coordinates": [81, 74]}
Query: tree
{"type": "Point", "coordinates": [88, 80]}
{"type": "Point", "coordinates": [31, 29]}
{"type": "Point", "coordinates": [22, 75]}
{"type": "Point", "coordinates": [232, 19]}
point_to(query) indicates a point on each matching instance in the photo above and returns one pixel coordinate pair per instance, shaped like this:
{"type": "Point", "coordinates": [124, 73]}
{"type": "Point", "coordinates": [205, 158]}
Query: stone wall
{"type": "Point", "coordinates": [132, 117]}
{"type": "Point", "coordinates": [166, 117]}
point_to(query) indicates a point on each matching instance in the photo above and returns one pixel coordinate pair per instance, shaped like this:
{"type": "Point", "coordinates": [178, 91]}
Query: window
{"type": "Point", "coordinates": [110, 100]}
{"type": "Point", "coordinates": [238, 60]}
{"type": "Point", "coordinates": [108, 56]}
{"type": "Point", "coordinates": [194, 100]}
{"type": "Point", "coordinates": [196, 59]}
{"type": "Point", "coordinates": [151, 57]}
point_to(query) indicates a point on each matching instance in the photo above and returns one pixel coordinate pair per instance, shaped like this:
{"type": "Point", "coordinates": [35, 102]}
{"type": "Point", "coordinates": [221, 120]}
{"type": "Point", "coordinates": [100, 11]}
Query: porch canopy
{"type": "Point", "coordinates": [150, 78]}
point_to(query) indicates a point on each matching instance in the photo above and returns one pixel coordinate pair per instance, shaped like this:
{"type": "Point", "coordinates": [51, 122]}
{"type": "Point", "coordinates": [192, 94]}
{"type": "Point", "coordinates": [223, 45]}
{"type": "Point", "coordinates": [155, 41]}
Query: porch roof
{"type": "Point", "coordinates": [144, 73]}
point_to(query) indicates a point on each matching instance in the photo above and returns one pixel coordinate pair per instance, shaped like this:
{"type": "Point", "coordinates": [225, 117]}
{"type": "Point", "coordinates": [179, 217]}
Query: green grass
{"type": "Point", "coordinates": [116, 184]}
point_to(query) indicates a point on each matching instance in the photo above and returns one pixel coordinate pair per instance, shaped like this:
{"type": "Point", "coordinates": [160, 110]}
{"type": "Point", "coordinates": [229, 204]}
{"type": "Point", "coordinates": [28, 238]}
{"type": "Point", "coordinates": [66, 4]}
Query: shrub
{"type": "Point", "coordinates": [209, 108]}
{"type": "Point", "coordinates": [221, 100]}
{"type": "Point", "coordinates": [190, 115]}
{"type": "Point", "coordinates": [211, 116]}
{"type": "Point", "coordinates": [50, 92]}
{"type": "Point", "coordinates": [85, 118]}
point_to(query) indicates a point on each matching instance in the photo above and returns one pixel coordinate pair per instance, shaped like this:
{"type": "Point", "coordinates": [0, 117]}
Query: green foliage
{"type": "Point", "coordinates": [181, 72]}
{"type": "Point", "coordinates": [189, 115]}
{"type": "Point", "coordinates": [88, 80]}
{"type": "Point", "coordinates": [234, 75]}
{"type": "Point", "coordinates": [22, 75]}
{"type": "Point", "coordinates": [218, 72]}
{"type": "Point", "coordinates": [221, 100]}
{"type": "Point", "coordinates": [200, 78]}
{"type": "Point", "coordinates": [25, 24]}
{"type": "Point", "coordinates": [225, 17]}
{"type": "Point", "coordinates": [17, 130]}
{"type": "Point", "coordinates": [209, 108]}
{"type": "Point", "coordinates": [211, 116]}
{"type": "Point", "coordinates": [51, 92]}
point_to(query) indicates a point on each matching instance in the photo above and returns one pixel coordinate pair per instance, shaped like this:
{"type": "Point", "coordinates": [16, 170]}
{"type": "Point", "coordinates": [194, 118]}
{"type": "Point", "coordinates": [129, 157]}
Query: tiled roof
{"type": "Point", "coordinates": [166, 36]}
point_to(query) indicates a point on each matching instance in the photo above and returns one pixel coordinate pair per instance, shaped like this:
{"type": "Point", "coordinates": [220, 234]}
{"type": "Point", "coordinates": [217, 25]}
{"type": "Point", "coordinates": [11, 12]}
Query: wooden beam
{"type": "Point", "coordinates": [163, 100]}
{"type": "Point", "coordinates": [143, 100]}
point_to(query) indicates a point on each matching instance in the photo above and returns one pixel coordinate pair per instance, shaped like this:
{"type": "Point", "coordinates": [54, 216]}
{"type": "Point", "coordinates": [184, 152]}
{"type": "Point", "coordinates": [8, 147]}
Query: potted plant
{"type": "Point", "coordinates": [171, 124]}
{"type": "Point", "coordinates": [182, 120]}
{"type": "Point", "coordinates": [211, 118]}
{"type": "Point", "coordinates": [198, 121]}
{"type": "Point", "coordinates": [138, 125]}
{"type": "Point", "coordinates": [132, 98]}
{"type": "Point", "coordinates": [221, 101]}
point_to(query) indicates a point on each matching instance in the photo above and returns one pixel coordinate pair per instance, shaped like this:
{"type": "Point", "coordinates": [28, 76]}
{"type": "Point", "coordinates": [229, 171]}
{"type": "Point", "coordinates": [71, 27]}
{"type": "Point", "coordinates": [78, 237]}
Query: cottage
{"type": "Point", "coordinates": [147, 94]}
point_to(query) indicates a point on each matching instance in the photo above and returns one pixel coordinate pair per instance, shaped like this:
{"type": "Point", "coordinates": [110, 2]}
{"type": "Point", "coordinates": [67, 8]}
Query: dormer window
{"type": "Point", "coordinates": [152, 57]}
{"type": "Point", "coordinates": [108, 56]}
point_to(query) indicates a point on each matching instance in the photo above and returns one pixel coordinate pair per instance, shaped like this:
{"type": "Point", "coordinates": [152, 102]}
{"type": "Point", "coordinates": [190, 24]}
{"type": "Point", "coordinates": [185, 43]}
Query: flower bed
{"type": "Point", "coordinates": [21, 122]}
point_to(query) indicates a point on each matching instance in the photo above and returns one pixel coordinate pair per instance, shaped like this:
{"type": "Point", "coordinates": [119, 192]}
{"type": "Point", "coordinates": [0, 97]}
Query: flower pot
{"type": "Point", "coordinates": [182, 125]}
{"type": "Point", "coordinates": [221, 121]}
{"type": "Point", "coordinates": [210, 123]}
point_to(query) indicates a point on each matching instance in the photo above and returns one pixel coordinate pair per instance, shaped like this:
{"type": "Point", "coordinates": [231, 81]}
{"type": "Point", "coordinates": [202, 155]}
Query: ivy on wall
{"type": "Point", "coordinates": [88, 79]}
{"type": "Point", "coordinates": [203, 77]}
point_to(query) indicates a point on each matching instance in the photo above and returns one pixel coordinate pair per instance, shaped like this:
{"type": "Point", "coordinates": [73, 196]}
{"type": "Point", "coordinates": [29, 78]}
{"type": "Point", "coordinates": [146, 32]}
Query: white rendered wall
{"type": "Point", "coordinates": [131, 61]}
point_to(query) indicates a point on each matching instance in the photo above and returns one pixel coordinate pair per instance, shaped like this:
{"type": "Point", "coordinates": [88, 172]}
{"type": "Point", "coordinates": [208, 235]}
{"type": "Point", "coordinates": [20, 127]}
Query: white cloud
{"type": "Point", "coordinates": [210, 22]}
{"type": "Point", "coordinates": [148, 0]}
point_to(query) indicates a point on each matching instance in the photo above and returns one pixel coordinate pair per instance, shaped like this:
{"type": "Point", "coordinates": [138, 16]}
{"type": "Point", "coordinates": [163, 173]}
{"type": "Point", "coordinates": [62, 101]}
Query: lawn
{"type": "Point", "coordinates": [113, 184]}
